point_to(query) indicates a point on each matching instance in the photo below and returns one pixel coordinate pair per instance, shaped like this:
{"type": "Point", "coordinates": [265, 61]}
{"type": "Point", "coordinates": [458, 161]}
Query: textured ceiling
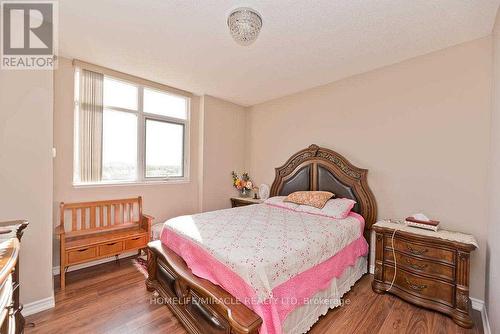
{"type": "Point", "coordinates": [186, 44]}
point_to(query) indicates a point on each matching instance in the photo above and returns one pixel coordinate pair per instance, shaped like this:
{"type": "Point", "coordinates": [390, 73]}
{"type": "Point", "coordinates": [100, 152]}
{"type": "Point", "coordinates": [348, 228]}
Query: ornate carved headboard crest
{"type": "Point", "coordinates": [318, 168]}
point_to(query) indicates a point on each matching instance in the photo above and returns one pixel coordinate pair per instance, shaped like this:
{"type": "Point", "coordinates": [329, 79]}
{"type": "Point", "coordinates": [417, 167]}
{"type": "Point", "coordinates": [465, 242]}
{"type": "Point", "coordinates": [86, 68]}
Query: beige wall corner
{"type": "Point", "coordinates": [421, 127]}
{"type": "Point", "coordinates": [224, 149]}
{"type": "Point", "coordinates": [26, 106]}
{"type": "Point", "coordinates": [493, 246]}
{"type": "Point", "coordinates": [201, 140]}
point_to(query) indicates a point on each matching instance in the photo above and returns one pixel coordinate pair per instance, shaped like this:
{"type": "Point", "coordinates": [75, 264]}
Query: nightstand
{"type": "Point", "coordinates": [432, 268]}
{"type": "Point", "coordinates": [242, 201]}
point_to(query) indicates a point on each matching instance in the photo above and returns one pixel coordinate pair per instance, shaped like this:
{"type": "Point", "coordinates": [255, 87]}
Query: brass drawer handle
{"type": "Point", "coordinates": [416, 251]}
{"type": "Point", "coordinates": [415, 265]}
{"type": "Point", "coordinates": [416, 287]}
{"type": "Point", "coordinates": [111, 244]}
{"type": "Point", "coordinates": [135, 238]}
{"type": "Point", "coordinates": [83, 250]}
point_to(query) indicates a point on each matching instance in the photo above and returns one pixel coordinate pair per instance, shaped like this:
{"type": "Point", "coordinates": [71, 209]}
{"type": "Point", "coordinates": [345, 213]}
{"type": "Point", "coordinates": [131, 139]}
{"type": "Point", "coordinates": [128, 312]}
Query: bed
{"type": "Point", "coordinates": [228, 271]}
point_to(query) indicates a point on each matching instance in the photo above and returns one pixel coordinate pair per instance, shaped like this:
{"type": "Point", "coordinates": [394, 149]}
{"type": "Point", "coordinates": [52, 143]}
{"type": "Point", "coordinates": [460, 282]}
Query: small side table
{"type": "Point", "coordinates": [242, 201]}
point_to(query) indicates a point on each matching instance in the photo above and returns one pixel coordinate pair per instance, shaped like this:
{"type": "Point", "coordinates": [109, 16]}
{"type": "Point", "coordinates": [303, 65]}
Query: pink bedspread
{"type": "Point", "coordinates": [285, 297]}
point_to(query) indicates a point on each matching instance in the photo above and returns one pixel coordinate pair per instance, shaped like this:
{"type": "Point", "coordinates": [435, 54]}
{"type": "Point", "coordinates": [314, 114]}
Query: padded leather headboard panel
{"type": "Point", "coordinates": [328, 182]}
{"type": "Point", "coordinates": [318, 168]}
{"type": "Point", "coordinates": [299, 181]}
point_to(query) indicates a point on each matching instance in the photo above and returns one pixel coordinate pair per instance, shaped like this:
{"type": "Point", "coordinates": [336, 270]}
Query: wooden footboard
{"type": "Point", "coordinates": [202, 307]}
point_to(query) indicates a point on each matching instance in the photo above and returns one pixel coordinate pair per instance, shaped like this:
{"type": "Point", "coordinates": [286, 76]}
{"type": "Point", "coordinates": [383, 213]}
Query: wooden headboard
{"type": "Point", "coordinates": [318, 168]}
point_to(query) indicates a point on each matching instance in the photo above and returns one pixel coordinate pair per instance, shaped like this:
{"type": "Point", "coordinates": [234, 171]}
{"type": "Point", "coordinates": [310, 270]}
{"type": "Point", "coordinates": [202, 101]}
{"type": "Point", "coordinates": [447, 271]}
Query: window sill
{"type": "Point", "coordinates": [131, 183]}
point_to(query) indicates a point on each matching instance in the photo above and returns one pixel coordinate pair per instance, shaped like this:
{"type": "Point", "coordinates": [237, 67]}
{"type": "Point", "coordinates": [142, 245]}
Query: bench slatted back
{"type": "Point", "coordinates": [90, 217]}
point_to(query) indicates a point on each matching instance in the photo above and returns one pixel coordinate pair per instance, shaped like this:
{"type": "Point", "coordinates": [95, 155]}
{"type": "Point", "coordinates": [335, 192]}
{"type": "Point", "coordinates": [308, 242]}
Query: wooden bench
{"type": "Point", "coordinates": [93, 230]}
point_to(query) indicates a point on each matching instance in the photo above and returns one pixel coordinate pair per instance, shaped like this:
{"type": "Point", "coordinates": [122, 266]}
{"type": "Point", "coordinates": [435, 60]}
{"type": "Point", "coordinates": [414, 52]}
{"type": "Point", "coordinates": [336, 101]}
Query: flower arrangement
{"type": "Point", "coordinates": [243, 183]}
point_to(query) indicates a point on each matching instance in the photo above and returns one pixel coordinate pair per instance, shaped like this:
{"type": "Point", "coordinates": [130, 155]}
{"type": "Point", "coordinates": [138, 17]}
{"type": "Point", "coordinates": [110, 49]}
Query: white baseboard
{"type": "Point", "coordinates": [38, 306]}
{"type": "Point", "coordinates": [57, 270]}
{"type": "Point", "coordinates": [478, 304]}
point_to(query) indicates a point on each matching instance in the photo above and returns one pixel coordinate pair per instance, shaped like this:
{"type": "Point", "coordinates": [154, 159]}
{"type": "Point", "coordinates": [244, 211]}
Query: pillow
{"type": "Point", "coordinates": [279, 201]}
{"type": "Point", "coordinates": [317, 199]}
{"type": "Point", "coordinates": [338, 208]}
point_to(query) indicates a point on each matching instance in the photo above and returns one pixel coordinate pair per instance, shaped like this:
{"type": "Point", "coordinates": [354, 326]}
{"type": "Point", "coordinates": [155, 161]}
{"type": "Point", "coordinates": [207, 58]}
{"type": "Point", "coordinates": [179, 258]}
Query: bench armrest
{"type": "Point", "coordinates": [146, 221]}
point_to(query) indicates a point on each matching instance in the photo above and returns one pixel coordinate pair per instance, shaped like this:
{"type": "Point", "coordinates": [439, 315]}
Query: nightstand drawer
{"type": "Point", "coordinates": [423, 287]}
{"type": "Point", "coordinates": [417, 265]}
{"type": "Point", "coordinates": [421, 250]}
{"type": "Point", "coordinates": [239, 201]}
{"type": "Point", "coordinates": [236, 204]}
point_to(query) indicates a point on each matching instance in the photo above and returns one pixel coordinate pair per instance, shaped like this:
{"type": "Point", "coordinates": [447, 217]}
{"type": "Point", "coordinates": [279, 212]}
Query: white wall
{"type": "Point", "coordinates": [421, 127]}
{"type": "Point", "coordinates": [26, 172]}
{"type": "Point", "coordinates": [493, 245]}
{"type": "Point", "coordinates": [223, 149]}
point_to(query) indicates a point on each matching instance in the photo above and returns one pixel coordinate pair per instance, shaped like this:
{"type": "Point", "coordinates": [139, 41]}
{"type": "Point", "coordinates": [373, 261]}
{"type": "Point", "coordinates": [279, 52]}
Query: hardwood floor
{"type": "Point", "coordinates": [112, 298]}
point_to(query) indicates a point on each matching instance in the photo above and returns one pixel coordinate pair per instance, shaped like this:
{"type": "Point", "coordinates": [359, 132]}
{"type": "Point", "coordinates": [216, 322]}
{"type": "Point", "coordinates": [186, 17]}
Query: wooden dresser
{"type": "Point", "coordinates": [11, 319]}
{"type": "Point", "coordinates": [432, 268]}
{"type": "Point", "coordinates": [242, 201]}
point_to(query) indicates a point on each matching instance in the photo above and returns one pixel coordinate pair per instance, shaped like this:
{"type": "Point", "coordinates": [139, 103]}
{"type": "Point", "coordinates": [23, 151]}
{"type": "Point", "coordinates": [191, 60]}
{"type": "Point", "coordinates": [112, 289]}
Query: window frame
{"type": "Point", "coordinates": [142, 117]}
{"type": "Point", "coordinates": [169, 120]}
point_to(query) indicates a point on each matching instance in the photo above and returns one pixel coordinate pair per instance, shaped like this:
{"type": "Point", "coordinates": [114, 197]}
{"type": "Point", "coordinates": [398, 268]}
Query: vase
{"type": "Point", "coordinates": [244, 192]}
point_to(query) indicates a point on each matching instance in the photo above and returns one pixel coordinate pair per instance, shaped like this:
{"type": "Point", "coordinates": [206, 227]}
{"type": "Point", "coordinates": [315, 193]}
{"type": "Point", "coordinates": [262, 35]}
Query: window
{"type": "Point", "coordinates": [119, 146]}
{"type": "Point", "coordinates": [164, 154]}
{"type": "Point", "coordinates": [127, 132]}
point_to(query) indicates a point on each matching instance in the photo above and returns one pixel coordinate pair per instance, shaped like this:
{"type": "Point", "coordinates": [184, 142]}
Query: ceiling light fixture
{"type": "Point", "coordinates": [244, 24]}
